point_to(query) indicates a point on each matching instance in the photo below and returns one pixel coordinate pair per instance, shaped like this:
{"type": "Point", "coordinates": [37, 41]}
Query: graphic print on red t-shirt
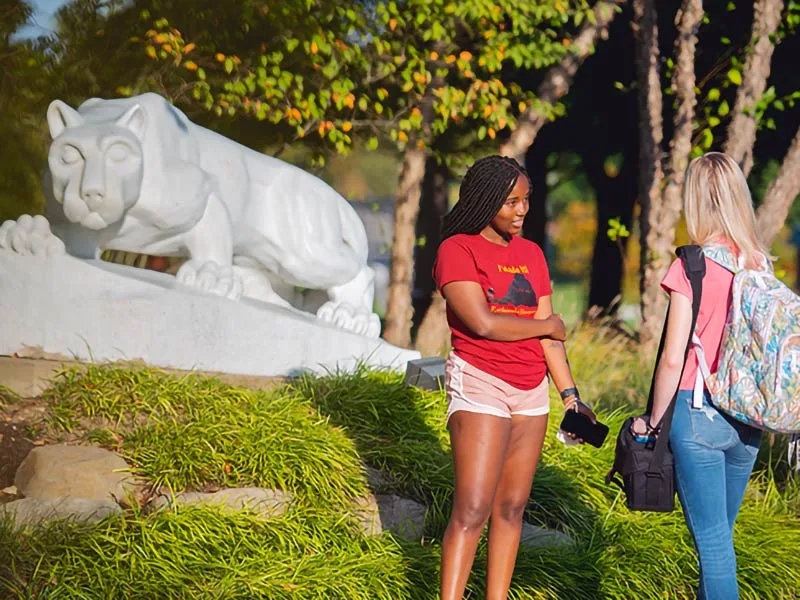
{"type": "Point", "coordinates": [520, 299]}
{"type": "Point", "coordinates": [513, 279]}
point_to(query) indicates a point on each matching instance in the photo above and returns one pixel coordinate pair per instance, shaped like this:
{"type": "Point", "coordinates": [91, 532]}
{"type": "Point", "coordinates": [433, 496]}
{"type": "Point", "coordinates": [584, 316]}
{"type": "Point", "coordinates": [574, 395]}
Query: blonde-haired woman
{"type": "Point", "coordinates": [714, 454]}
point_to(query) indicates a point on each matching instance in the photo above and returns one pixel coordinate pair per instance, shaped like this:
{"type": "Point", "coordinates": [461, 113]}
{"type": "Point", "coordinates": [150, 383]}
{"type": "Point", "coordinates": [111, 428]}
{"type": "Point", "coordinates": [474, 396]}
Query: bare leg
{"type": "Point", "coordinates": [479, 445]}
{"type": "Point", "coordinates": [513, 490]}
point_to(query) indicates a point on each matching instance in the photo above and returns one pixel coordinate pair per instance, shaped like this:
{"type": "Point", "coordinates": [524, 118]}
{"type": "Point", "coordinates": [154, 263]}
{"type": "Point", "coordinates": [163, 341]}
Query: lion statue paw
{"type": "Point", "coordinates": [30, 236]}
{"type": "Point", "coordinates": [345, 316]}
{"type": "Point", "coordinates": [210, 278]}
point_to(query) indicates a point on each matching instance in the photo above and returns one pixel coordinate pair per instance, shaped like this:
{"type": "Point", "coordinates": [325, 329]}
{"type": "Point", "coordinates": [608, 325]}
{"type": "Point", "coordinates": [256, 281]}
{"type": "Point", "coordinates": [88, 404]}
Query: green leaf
{"type": "Point", "coordinates": [735, 76]}
{"type": "Point", "coordinates": [723, 109]}
{"type": "Point", "coordinates": [713, 121]}
{"type": "Point", "coordinates": [482, 132]}
{"type": "Point", "coordinates": [292, 44]}
{"type": "Point", "coordinates": [708, 138]}
{"type": "Point", "coordinates": [713, 94]}
{"type": "Point", "coordinates": [372, 143]}
{"type": "Point", "coordinates": [229, 65]}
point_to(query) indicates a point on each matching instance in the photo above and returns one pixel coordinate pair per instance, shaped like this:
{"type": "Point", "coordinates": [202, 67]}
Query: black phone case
{"type": "Point", "coordinates": [580, 425]}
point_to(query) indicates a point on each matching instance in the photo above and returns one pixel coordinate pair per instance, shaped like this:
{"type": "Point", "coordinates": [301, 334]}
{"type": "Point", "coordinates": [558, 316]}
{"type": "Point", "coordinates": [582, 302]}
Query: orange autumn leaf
{"type": "Point", "coordinates": [188, 48]}
{"type": "Point", "coordinates": [190, 65]}
{"type": "Point", "coordinates": [347, 126]}
{"type": "Point", "coordinates": [392, 24]}
{"type": "Point", "coordinates": [491, 133]}
{"type": "Point", "coordinates": [314, 48]}
{"type": "Point", "coordinates": [220, 57]}
{"type": "Point", "coordinates": [465, 56]}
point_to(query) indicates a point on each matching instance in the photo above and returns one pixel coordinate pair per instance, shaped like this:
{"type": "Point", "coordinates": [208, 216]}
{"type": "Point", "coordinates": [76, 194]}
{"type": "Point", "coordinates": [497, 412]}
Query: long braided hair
{"type": "Point", "coordinates": [485, 188]}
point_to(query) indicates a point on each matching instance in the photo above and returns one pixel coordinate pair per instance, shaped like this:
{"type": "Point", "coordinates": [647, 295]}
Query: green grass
{"type": "Point", "coordinates": [569, 300]}
{"type": "Point", "coordinates": [7, 396]}
{"type": "Point", "coordinates": [193, 431]}
{"type": "Point", "coordinates": [312, 437]}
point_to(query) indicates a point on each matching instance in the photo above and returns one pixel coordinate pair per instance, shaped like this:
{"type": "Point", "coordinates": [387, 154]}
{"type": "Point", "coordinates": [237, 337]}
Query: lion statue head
{"type": "Point", "coordinates": [95, 161]}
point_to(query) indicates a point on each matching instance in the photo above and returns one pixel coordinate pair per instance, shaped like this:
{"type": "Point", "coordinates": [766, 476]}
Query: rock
{"type": "Point", "coordinates": [267, 503]}
{"type": "Point", "coordinates": [402, 517]}
{"type": "Point", "coordinates": [377, 480]}
{"type": "Point", "coordinates": [58, 471]}
{"type": "Point", "coordinates": [537, 537]}
{"type": "Point", "coordinates": [32, 511]}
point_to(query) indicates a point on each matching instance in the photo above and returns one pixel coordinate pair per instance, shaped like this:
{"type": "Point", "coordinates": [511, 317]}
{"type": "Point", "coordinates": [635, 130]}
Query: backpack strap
{"type": "Point", "coordinates": [694, 265]}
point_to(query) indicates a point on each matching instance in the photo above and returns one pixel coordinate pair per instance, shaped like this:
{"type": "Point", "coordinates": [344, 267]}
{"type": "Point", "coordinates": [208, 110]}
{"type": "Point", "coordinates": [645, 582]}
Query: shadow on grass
{"type": "Point", "coordinates": [400, 431]}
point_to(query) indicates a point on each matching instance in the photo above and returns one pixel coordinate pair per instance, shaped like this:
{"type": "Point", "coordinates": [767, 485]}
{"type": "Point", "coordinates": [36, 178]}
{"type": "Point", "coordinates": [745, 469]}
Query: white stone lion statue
{"type": "Point", "coordinates": [135, 174]}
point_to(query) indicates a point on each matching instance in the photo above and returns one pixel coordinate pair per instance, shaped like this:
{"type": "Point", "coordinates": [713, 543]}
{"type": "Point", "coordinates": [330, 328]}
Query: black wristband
{"type": "Point", "coordinates": [573, 391]}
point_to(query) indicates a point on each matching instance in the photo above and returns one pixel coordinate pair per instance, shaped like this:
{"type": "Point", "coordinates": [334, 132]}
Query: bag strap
{"type": "Point", "coordinates": [694, 265]}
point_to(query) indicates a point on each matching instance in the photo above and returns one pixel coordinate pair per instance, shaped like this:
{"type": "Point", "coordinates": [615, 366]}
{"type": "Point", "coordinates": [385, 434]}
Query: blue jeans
{"type": "Point", "coordinates": [714, 456]}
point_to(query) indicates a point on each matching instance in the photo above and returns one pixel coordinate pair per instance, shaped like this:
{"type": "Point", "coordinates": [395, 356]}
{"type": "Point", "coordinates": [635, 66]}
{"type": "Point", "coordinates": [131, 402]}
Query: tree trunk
{"type": "Point", "coordinates": [742, 128]}
{"type": "Point", "coordinates": [683, 83]}
{"type": "Point", "coordinates": [558, 79]}
{"type": "Point", "coordinates": [535, 226]}
{"type": "Point", "coordinates": [397, 322]}
{"type": "Point", "coordinates": [615, 199]}
{"type": "Point", "coordinates": [780, 195]}
{"type": "Point", "coordinates": [433, 206]}
{"type": "Point", "coordinates": [650, 175]}
{"type": "Point", "coordinates": [433, 337]}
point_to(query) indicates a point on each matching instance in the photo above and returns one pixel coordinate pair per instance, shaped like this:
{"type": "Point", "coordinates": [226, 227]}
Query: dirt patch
{"type": "Point", "coordinates": [21, 424]}
{"type": "Point", "coordinates": [14, 447]}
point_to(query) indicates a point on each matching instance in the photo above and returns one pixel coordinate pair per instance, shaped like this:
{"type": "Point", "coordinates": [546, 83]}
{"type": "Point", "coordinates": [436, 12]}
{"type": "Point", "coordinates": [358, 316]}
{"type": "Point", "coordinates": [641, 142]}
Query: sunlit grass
{"type": "Point", "coordinates": [312, 437]}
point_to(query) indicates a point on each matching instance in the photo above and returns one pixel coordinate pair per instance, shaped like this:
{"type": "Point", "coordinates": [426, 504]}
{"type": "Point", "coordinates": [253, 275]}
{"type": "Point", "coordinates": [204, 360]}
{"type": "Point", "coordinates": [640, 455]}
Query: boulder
{"type": "Point", "coordinates": [58, 471]}
{"type": "Point", "coordinates": [33, 511]}
{"type": "Point", "coordinates": [537, 537]}
{"type": "Point", "coordinates": [402, 517]}
{"type": "Point", "coordinates": [267, 503]}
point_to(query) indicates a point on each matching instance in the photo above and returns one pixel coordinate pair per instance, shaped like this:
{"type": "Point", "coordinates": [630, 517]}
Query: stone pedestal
{"type": "Point", "coordinates": [60, 307]}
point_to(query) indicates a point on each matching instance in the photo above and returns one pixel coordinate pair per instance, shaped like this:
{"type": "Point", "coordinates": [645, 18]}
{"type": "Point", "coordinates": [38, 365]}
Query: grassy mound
{"type": "Point", "coordinates": [313, 437]}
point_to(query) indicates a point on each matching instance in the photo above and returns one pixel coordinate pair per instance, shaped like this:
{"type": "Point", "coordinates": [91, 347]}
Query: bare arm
{"type": "Point", "coordinates": [466, 299]}
{"type": "Point", "coordinates": [555, 354]}
{"type": "Point", "coordinates": [670, 365]}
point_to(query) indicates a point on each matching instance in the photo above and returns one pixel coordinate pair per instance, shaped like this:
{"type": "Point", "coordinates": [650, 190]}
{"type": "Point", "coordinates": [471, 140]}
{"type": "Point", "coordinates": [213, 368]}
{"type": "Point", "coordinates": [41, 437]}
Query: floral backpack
{"type": "Point", "coordinates": [758, 379]}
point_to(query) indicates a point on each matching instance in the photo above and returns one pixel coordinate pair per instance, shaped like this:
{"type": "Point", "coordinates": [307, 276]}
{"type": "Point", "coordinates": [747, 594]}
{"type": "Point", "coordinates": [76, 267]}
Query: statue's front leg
{"type": "Point", "coordinates": [210, 245]}
{"type": "Point", "coordinates": [30, 235]}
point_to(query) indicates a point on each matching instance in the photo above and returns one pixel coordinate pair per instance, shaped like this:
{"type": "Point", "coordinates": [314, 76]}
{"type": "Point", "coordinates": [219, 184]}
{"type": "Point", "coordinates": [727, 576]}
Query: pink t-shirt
{"type": "Point", "coordinates": [714, 306]}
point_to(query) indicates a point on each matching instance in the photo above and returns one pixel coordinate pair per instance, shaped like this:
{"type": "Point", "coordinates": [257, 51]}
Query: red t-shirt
{"type": "Point", "coordinates": [513, 279]}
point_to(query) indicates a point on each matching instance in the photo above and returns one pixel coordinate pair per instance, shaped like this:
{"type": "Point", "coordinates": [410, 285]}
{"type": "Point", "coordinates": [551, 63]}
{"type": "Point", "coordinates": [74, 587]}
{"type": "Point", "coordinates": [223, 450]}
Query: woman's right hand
{"type": "Point", "coordinates": [558, 329]}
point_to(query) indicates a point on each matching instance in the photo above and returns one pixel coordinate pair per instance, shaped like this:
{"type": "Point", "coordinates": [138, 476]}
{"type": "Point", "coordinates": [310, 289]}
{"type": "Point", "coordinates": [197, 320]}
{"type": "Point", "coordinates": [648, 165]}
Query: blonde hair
{"type": "Point", "coordinates": [718, 206]}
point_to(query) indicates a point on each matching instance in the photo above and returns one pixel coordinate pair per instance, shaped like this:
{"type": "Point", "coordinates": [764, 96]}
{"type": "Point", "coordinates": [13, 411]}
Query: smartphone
{"type": "Point", "coordinates": [580, 425]}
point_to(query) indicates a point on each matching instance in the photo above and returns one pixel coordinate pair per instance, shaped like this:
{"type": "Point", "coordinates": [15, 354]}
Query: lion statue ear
{"type": "Point", "coordinates": [135, 120]}
{"type": "Point", "coordinates": [60, 117]}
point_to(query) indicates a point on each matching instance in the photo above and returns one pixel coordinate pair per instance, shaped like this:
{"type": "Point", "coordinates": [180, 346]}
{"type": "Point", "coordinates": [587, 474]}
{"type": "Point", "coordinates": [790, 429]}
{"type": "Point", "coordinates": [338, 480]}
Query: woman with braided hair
{"type": "Point", "coordinates": [505, 339]}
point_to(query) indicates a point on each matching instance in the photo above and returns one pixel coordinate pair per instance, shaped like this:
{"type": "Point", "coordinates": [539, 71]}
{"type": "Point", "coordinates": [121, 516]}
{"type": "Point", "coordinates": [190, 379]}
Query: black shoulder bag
{"type": "Point", "coordinates": [646, 469]}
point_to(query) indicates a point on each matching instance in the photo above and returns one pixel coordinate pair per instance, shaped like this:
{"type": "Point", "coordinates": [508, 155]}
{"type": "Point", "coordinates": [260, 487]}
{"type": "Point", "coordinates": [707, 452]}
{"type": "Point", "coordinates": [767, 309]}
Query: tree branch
{"type": "Point", "coordinates": [780, 195]}
{"type": "Point", "coordinates": [742, 128]}
{"type": "Point", "coordinates": [683, 82]}
{"type": "Point", "coordinates": [559, 78]}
